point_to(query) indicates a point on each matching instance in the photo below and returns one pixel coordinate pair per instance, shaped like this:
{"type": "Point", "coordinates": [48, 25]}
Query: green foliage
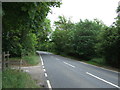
{"type": "Point", "coordinates": [47, 46]}
{"type": "Point", "coordinates": [76, 39]}
{"type": "Point", "coordinates": [88, 39]}
{"type": "Point", "coordinates": [85, 38]}
{"type": "Point", "coordinates": [63, 35]}
{"type": "Point", "coordinates": [99, 61]}
{"type": "Point", "coordinates": [16, 79]}
{"type": "Point", "coordinates": [29, 43]}
{"type": "Point", "coordinates": [44, 32]}
{"type": "Point", "coordinates": [24, 25]}
{"type": "Point", "coordinates": [26, 28]}
{"type": "Point", "coordinates": [109, 43]}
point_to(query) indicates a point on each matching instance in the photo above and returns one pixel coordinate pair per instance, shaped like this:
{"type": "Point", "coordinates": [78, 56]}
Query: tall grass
{"type": "Point", "coordinates": [17, 79]}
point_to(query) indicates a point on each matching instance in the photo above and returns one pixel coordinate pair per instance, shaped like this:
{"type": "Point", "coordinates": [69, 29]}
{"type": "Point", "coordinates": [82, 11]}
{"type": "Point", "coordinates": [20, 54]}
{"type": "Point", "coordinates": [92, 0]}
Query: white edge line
{"type": "Point", "coordinates": [44, 70]}
{"type": "Point", "coordinates": [41, 59]}
{"type": "Point", "coordinates": [49, 85]}
{"type": "Point", "coordinates": [46, 75]}
{"type": "Point", "coordinates": [102, 80]}
{"type": "Point", "coordinates": [69, 64]}
{"type": "Point", "coordinates": [48, 82]}
{"type": "Point", "coordinates": [99, 67]}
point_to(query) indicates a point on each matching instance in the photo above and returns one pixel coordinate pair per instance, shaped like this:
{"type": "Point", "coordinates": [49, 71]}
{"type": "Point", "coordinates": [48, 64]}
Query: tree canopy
{"type": "Point", "coordinates": [24, 24]}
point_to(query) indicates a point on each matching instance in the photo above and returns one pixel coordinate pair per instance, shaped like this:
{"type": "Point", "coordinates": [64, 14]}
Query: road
{"type": "Point", "coordinates": [63, 72]}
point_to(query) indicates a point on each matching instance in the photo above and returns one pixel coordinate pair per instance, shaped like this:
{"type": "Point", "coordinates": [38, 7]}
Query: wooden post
{"type": "Point", "coordinates": [3, 60]}
{"type": "Point", "coordinates": [7, 60]}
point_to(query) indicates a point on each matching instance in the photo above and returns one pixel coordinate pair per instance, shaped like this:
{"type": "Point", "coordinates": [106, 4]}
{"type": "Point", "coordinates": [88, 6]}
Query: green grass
{"type": "Point", "coordinates": [17, 79]}
{"type": "Point", "coordinates": [32, 60]}
{"type": "Point", "coordinates": [15, 58]}
{"type": "Point", "coordinates": [97, 61]}
{"type": "Point", "coordinates": [0, 80]}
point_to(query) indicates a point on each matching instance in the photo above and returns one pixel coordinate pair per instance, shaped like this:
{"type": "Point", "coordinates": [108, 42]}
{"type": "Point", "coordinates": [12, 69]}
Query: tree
{"type": "Point", "coordinates": [109, 43]}
{"type": "Point", "coordinates": [62, 36]}
{"type": "Point", "coordinates": [21, 22]}
{"type": "Point", "coordinates": [85, 38]}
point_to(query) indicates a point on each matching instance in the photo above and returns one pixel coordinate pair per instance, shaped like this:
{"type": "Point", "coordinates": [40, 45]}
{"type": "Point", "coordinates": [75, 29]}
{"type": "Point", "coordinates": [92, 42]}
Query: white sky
{"type": "Point", "coordinates": [104, 10]}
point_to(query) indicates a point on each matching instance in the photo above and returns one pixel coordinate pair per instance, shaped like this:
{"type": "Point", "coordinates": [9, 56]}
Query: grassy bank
{"type": "Point", "coordinates": [17, 79]}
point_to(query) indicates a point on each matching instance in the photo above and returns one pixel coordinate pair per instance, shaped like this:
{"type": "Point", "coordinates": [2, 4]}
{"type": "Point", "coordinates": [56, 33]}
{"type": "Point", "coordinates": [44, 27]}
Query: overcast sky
{"type": "Point", "coordinates": [104, 10]}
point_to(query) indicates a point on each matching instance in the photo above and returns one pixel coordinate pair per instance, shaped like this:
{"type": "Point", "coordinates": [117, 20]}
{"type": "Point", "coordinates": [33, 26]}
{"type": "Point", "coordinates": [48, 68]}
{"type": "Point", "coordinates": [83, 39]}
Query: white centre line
{"type": "Point", "coordinates": [69, 64]}
{"type": "Point", "coordinates": [102, 80]}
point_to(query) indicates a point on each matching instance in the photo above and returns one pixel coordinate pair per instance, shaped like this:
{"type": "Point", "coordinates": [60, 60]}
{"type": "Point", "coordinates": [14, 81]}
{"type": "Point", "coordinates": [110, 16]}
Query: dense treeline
{"type": "Point", "coordinates": [77, 39]}
{"type": "Point", "coordinates": [88, 39]}
{"type": "Point", "coordinates": [25, 26]}
{"type": "Point", "coordinates": [26, 29]}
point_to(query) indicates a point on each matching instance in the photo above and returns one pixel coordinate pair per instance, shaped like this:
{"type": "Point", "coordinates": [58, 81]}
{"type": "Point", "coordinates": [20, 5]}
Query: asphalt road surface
{"type": "Point", "coordinates": [63, 72]}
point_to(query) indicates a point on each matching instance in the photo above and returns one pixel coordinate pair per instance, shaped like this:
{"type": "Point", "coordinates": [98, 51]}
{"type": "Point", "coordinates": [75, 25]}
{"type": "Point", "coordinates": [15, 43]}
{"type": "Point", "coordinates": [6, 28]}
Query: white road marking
{"type": "Point", "coordinates": [41, 60]}
{"type": "Point", "coordinates": [102, 79]}
{"type": "Point", "coordinates": [44, 70]}
{"type": "Point", "coordinates": [69, 64]}
{"type": "Point", "coordinates": [49, 85]}
{"type": "Point", "coordinates": [46, 75]}
{"type": "Point", "coordinates": [48, 82]}
{"type": "Point", "coordinates": [43, 67]}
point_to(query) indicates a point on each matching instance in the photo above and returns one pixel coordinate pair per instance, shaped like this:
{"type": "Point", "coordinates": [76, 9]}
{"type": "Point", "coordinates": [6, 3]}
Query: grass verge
{"type": "Point", "coordinates": [32, 60]}
{"type": "Point", "coordinates": [97, 61]}
{"type": "Point", "coordinates": [17, 79]}
{"type": "Point", "coordinates": [27, 60]}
